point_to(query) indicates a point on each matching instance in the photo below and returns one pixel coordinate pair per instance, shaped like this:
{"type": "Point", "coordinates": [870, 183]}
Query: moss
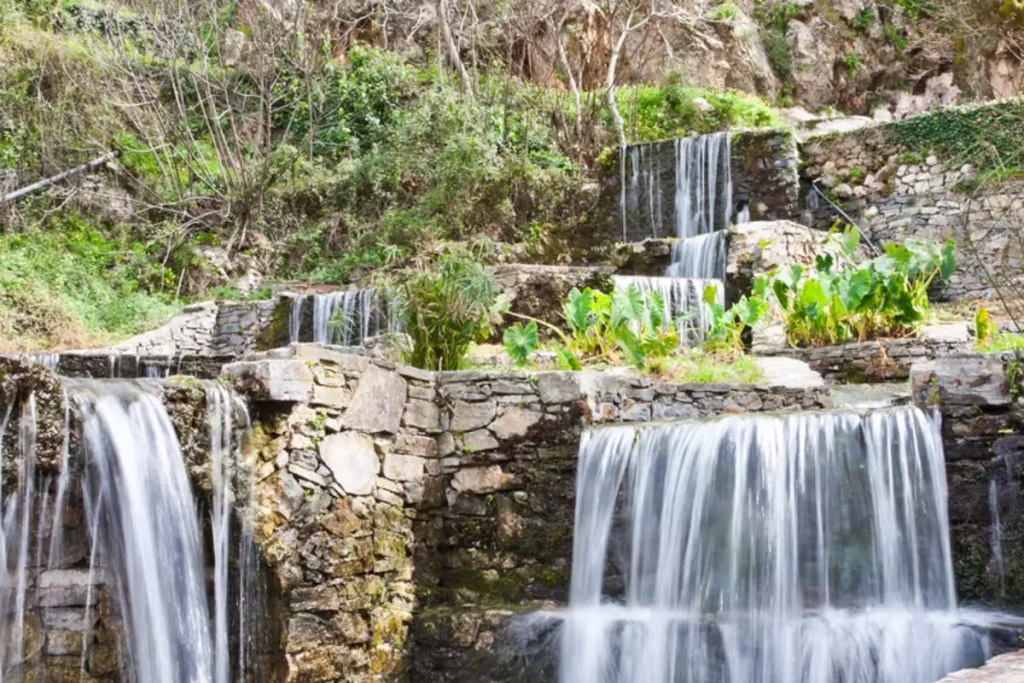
{"type": "Point", "coordinates": [276, 333]}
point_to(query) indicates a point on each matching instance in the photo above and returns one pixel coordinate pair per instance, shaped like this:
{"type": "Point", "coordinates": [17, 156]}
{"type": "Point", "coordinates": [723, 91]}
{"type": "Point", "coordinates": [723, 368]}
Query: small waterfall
{"type": "Point", "coordinates": [702, 257]}
{"type": "Point", "coordinates": [345, 318]}
{"type": "Point", "coordinates": [997, 534]}
{"type": "Point", "coordinates": [683, 301]}
{"type": "Point", "coordinates": [145, 517]}
{"type": "Point", "coordinates": [295, 319]}
{"type": "Point", "coordinates": [144, 545]}
{"type": "Point", "coordinates": [703, 184]}
{"type": "Point", "coordinates": [764, 549]}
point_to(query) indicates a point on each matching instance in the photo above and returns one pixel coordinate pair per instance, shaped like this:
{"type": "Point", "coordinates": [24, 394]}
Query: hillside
{"type": "Point", "coordinates": [263, 141]}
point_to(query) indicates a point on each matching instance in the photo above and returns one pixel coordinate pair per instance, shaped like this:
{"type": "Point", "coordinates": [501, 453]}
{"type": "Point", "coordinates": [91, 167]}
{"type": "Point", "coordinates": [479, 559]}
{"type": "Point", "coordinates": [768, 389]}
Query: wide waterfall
{"type": "Point", "coordinates": [347, 318]}
{"type": "Point", "coordinates": [682, 301]}
{"type": "Point", "coordinates": [701, 257]}
{"type": "Point", "coordinates": [811, 548]}
{"type": "Point", "coordinates": [139, 541]}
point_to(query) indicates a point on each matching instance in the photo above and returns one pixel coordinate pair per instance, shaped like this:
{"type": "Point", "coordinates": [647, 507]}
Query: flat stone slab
{"type": "Point", "coordinates": [1008, 668]}
{"type": "Point", "coordinates": [780, 371]}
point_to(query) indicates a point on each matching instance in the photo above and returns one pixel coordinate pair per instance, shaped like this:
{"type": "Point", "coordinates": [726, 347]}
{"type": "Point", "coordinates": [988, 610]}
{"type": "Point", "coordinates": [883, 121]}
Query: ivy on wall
{"type": "Point", "coordinates": [990, 138]}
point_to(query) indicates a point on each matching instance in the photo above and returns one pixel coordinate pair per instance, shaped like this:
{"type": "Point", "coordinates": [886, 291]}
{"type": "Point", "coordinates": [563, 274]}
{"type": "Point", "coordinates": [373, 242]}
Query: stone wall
{"type": "Point", "coordinates": [764, 177]}
{"type": "Point", "coordinates": [869, 362]}
{"type": "Point", "coordinates": [393, 498]}
{"type": "Point", "coordinates": [896, 193]}
{"type": "Point", "coordinates": [209, 329]}
{"type": "Point", "coordinates": [981, 418]}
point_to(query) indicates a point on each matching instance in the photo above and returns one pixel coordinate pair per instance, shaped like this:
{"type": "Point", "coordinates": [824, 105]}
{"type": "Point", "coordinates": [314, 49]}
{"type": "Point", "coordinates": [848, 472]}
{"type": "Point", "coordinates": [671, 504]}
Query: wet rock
{"type": "Point", "coordinates": [514, 422]}
{"type": "Point", "coordinates": [469, 416]}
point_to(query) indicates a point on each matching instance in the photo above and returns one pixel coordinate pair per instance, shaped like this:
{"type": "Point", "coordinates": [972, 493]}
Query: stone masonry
{"type": "Point", "coordinates": [390, 496]}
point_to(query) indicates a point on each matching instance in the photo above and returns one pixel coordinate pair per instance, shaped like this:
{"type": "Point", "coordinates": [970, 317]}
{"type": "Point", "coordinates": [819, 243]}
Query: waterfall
{"type": "Point", "coordinates": [702, 256]}
{"type": "Point", "coordinates": [295, 319]}
{"type": "Point", "coordinates": [683, 301]}
{"type": "Point", "coordinates": [996, 534]}
{"type": "Point", "coordinates": [703, 204]}
{"type": "Point", "coordinates": [346, 318]}
{"type": "Point", "coordinates": [764, 549]}
{"type": "Point", "coordinates": [141, 537]}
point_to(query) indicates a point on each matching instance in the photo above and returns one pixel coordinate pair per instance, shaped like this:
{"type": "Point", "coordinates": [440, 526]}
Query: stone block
{"type": "Point", "coordinates": [559, 387]}
{"type": "Point", "coordinates": [482, 480]}
{"type": "Point", "coordinates": [377, 403]}
{"type": "Point", "coordinates": [469, 416]}
{"type": "Point", "coordinates": [352, 460]}
{"type": "Point", "coordinates": [403, 467]}
{"type": "Point", "coordinates": [411, 444]}
{"type": "Point", "coordinates": [478, 440]}
{"type": "Point", "coordinates": [275, 380]}
{"type": "Point", "coordinates": [422, 414]}
{"type": "Point", "coordinates": [514, 422]}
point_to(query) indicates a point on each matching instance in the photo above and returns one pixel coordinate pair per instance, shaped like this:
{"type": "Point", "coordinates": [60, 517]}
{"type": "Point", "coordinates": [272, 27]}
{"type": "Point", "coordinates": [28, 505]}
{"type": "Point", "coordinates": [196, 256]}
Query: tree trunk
{"type": "Point", "coordinates": [613, 63]}
{"type": "Point", "coordinates": [453, 49]}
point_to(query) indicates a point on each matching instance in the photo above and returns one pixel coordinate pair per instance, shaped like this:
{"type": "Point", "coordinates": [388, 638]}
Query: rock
{"type": "Point", "coordinates": [702, 106]}
{"type": "Point", "coordinates": [377, 403]}
{"type": "Point", "coordinates": [403, 467]}
{"type": "Point", "coordinates": [514, 422]}
{"type": "Point", "coordinates": [558, 387]}
{"type": "Point", "coordinates": [422, 414]}
{"type": "Point", "coordinates": [274, 380]}
{"type": "Point", "coordinates": [482, 480]}
{"type": "Point", "coordinates": [479, 440]}
{"type": "Point", "coordinates": [352, 461]}
{"type": "Point", "coordinates": [469, 416]}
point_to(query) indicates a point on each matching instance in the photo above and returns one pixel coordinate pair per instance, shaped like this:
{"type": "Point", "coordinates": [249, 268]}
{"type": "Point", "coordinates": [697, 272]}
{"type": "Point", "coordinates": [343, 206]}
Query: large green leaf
{"type": "Point", "coordinates": [948, 259]}
{"type": "Point", "coordinates": [710, 295]}
{"type": "Point", "coordinates": [655, 313]}
{"type": "Point", "coordinates": [520, 342]}
{"type": "Point", "coordinates": [578, 309]}
{"type": "Point", "coordinates": [851, 240]}
{"type": "Point", "coordinates": [854, 289]}
{"type": "Point", "coordinates": [627, 306]}
{"type": "Point", "coordinates": [781, 290]}
{"type": "Point", "coordinates": [813, 299]}
{"type": "Point", "coordinates": [567, 359]}
{"type": "Point", "coordinates": [749, 311]}
{"type": "Point", "coordinates": [630, 343]}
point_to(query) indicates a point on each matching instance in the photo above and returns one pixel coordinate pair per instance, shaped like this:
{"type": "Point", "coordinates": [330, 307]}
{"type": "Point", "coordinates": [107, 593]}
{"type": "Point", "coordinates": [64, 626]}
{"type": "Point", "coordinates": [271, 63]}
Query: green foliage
{"type": "Point", "coordinates": [917, 8]}
{"type": "Point", "coordinates": [659, 113]}
{"type": "Point", "coordinates": [897, 37]}
{"type": "Point", "coordinates": [66, 284]}
{"type": "Point", "coordinates": [725, 334]}
{"type": "Point", "coordinates": [991, 138]}
{"type": "Point", "coordinates": [725, 11]}
{"type": "Point", "coordinates": [1000, 342]}
{"type": "Point", "coordinates": [1013, 10]}
{"type": "Point", "coordinates": [775, 18]}
{"type": "Point", "coordinates": [851, 60]}
{"type": "Point", "coordinates": [520, 342]}
{"type": "Point", "coordinates": [712, 368]}
{"type": "Point", "coordinates": [780, 56]}
{"type": "Point", "coordinates": [443, 308]}
{"type": "Point", "coordinates": [623, 325]}
{"type": "Point", "coordinates": [839, 302]}
{"type": "Point", "coordinates": [864, 19]}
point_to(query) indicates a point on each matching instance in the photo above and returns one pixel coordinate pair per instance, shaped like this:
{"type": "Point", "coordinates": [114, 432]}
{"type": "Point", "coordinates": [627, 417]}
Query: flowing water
{"type": "Point", "coordinates": [144, 534]}
{"type": "Point", "coordinates": [347, 318]}
{"type": "Point", "coordinates": [682, 301]}
{"type": "Point", "coordinates": [701, 257]}
{"type": "Point", "coordinates": [811, 548]}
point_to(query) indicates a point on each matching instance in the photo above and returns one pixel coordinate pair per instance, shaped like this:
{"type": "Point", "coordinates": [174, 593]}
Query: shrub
{"type": "Point", "coordinates": [444, 308]}
{"type": "Point", "coordinates": [839, 302]}
{"type": "Point", "coordinates": [728, 325]}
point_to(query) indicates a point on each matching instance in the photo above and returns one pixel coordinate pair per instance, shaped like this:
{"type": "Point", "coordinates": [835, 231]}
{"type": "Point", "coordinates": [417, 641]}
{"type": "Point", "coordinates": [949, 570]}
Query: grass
{"type": "Point", "coordinates": [1003, 341]}
{"type": "Point", "coordinates": [698, 367]}
{"type": "Point", "coordinates": [70, 288]}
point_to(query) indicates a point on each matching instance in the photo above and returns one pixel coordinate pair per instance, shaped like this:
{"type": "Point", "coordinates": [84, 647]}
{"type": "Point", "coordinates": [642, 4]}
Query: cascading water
{"type": "Point", "coordinates": [701, 257]}
{"type": "Point", "coordinates": [811, 548]}
{"type": "Point", "coordinates": [682, 301]}
{"type": "Point", "coordinates": [141, 540]}
{"type": "Point", "coordinates": [703, 203]}
{"type": "Point", "coordinates": [347, 318]}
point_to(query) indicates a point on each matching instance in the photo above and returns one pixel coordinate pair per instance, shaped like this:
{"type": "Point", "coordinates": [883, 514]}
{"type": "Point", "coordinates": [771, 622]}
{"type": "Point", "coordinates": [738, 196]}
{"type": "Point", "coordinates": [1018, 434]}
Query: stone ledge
{"type": "Point", "coordinates": [1008, 668]}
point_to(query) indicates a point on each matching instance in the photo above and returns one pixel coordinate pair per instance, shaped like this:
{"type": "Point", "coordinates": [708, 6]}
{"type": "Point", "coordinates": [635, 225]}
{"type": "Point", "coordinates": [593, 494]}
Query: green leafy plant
{"type": "Point", "coordinates": [839, 301]}
{"type": "Point", "coordinates": [444, 308]}
{"type": "Point", "coordinates": [851, 60]}
{"type": "Point", "coordinates": [520, 342]}
{"type": "Point", "coordinates": [727, 325]}
{"type": "Point", "coordinates": [863, 20]}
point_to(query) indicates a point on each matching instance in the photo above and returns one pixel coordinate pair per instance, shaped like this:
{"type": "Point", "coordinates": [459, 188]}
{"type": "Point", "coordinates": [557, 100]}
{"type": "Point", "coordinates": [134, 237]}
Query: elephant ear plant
{"type": "Point", "coordinates": [839, 302]}
{"type": "Point", "coordinates": [603, 328]}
